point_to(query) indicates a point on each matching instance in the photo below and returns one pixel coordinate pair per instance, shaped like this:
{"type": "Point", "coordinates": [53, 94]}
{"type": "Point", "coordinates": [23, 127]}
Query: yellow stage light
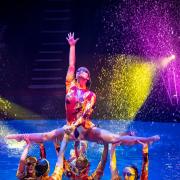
{"type": "Point", "coordinates": [124, 86]}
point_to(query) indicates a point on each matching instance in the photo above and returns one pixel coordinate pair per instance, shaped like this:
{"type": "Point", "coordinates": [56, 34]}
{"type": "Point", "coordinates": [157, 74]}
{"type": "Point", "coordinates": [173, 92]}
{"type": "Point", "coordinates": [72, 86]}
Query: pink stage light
{"type": "Point", "coordinates": [165, 61]}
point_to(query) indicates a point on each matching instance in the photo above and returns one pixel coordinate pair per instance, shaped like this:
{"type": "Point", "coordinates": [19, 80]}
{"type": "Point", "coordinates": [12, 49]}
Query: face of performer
{"type": "Point", "coordinates": [31, 168]}
{"type": "Point", "coordinates": [82, 76]}
{"type": "Point", "coordinates": [129, 173]}
{"type": "Point", "coordinates": [30, 165]}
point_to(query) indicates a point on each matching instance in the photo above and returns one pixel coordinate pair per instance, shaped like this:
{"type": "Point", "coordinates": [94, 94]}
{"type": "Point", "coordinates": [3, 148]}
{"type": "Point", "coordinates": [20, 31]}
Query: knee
{"type": "Point", "coordinates": [115, 139]}
{"type": "Point", "coordinates": [45, 137]}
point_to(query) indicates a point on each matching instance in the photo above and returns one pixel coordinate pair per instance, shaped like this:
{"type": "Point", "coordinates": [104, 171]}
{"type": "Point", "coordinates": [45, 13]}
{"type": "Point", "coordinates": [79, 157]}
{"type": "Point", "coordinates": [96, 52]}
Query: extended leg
{"type": "Point", "coordinates": [104, 136]}
{"type": "Point", "coordinates": [39, 137]}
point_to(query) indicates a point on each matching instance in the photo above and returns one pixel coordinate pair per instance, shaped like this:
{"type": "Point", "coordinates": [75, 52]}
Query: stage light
{"type": "Point", "coordinates": [165, 61]}
{"type": "Point", "coordinates": [128, 84]}
{"type": "Point", "coordinates": [173, 56]}
{"type": "Point", "coordinates": [15, 111]}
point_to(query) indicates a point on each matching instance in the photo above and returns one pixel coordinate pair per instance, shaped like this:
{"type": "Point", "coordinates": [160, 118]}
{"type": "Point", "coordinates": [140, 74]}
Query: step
{"type": "Point", "coordinates": [57, 13]}
{"type": "Point", "coordinates": [47, 69]}
{"type": "Point", "coordinates": [46, 82]}
{"type": "Point", "coordinates": [49, 86]}
{"type": "Point", "coordinates": [46, 78]}
{"type": "Point", "coordinates": [50, 52]}
{"type": "Point", "coordinates": [48, 60]}
{"type": "Point", "coordinates": [40, 74]}
{"type": "Point", "coordinates": [58, 19]}
{"type": "Point", "coordinates": [54, 32]}
{"type": "Point", "coordinates": [51, 55]}
{"type": "Point", "coordinates": [54, 43]}
{"type": "Point", "coordinates": [58, 0]}
{"type": "Point", "coordinates": [56, 4]}
{"type": "Point", "coordinates": [57, 25]}
{"type": "Point", "coordinates": [52, 47]}
{"type": "Point", "coordinates": [57, 10]}
{"type": "Point", "coordinates": [50, 64]}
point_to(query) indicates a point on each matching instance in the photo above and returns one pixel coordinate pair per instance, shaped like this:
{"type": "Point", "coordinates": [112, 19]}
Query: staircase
{"type": "Point", "coordinates": [50, 66]}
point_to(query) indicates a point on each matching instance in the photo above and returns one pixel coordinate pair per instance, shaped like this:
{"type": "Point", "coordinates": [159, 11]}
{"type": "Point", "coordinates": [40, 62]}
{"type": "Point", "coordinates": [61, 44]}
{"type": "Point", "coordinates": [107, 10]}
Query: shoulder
{"type": "Point", "coordinates": [70, 85]}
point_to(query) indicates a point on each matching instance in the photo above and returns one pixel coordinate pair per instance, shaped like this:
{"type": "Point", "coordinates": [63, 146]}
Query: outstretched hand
{"type": "Point", "coordinates": [68, 129]}
{"type": "Point", "coordinates": [155, 138]}
{"type": "Point", "coordinates": [71, 39]}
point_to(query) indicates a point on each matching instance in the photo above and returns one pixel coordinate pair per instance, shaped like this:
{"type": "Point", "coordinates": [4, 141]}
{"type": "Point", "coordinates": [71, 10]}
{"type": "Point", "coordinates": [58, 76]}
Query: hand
{"type": "Point", "coordinates": [71, 40]}
{"type": "Point", "coordinates": [68, 129]}
{"type": "Point", "coordinates": [145, 146]}
{"type": "Point", "coordinates": [155, 138]}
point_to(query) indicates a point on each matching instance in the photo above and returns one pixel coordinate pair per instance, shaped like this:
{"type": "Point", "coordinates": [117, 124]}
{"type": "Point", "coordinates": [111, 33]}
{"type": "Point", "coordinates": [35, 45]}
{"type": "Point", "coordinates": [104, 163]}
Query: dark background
{"type": "Point", "coordinates": [22, 21]}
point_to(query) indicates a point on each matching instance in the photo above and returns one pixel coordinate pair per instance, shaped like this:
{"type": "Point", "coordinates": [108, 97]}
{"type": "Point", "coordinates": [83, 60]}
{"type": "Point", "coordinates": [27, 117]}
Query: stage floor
{"type": "Point", "coordinates": [164, 156]}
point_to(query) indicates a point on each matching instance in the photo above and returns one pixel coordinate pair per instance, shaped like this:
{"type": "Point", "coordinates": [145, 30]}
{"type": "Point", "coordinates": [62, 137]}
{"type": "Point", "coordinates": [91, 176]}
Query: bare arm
{"type": "Point", "coordinates": [57, 147]}
{"type": "Point", "coordinates": [72, 57]}
{"type": "Point", "coordinates": [144, 172]}
{"type": "Point", "coordinates": [114, 171]}
{"type": "Point", "coordinates": [58, 172]}
{"type": "Point", "coordinates": [21, 167]}
{"type": "Point", "coordinates": [76, 144]}
{"type": "Point", "coordinates": [42, 151]}
{"type": "Point", "coordinates": [100, 168]}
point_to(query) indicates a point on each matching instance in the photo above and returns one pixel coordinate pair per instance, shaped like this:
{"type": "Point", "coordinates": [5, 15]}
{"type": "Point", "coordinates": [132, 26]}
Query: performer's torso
{"type": "Point", "coordinates": [76, 100]}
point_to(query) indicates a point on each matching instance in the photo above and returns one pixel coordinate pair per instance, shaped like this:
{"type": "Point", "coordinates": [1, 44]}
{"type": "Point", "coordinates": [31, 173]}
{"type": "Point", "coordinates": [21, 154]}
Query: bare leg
{"type": "Point", "coordinates": [95, 134]}
{"type": "Point", "coordinates": [39, 137]}
{"type": "Point", "coordinates": [100, 135]}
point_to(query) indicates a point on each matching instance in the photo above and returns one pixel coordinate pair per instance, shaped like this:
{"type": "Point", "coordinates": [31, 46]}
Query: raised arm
{"type": "Point", "coordinates": [114, 171]}
{"type": "Point", "coordinates": [58, 172]}
{"type": "Point", "coordinates": [42, 151]}
{"type": "Point", "coordinates": [72, 57]}
{"type": "Point", "coordinates": [21, 167]}
{"type": "Point", "coordinates": [57, 147]}
{"type": "Point", "coordinates": [97, 174]}
{"type": "Point", "coordinates": [74, 152]}
{"type": "Point", "coordinates": [144, 172]}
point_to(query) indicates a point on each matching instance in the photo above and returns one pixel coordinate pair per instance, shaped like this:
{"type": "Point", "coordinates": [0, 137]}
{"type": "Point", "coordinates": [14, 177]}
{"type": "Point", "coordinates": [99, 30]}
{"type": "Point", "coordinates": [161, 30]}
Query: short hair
{"type": "Point", "coordinates": [42, 167]}
{"type": "Point", "coordinates": [136, 171]}
{"type": "Point", "coordinates": [88, 84]}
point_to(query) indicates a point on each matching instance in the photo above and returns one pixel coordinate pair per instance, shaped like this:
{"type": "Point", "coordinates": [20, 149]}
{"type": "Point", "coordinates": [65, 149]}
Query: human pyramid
{"type": "Point", "coordinates": [79, 103]}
